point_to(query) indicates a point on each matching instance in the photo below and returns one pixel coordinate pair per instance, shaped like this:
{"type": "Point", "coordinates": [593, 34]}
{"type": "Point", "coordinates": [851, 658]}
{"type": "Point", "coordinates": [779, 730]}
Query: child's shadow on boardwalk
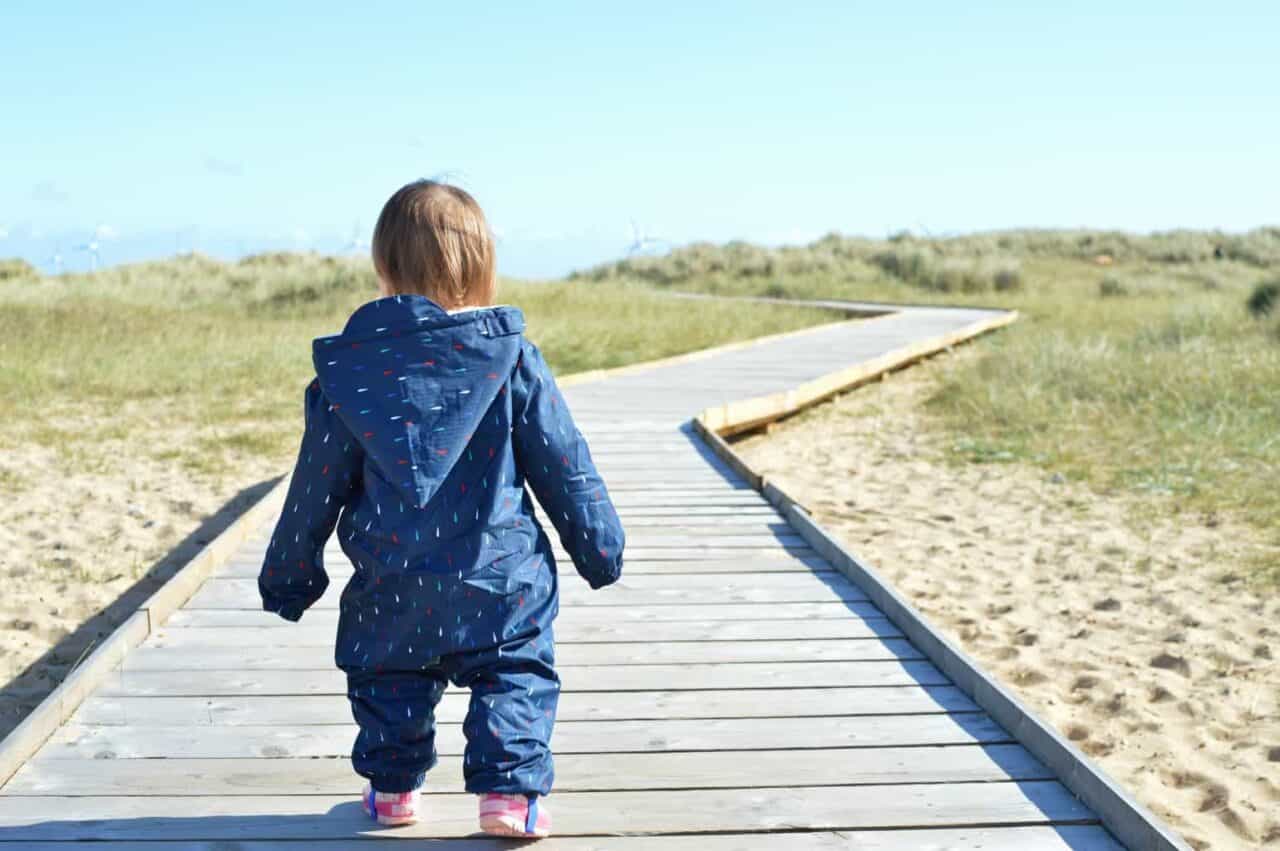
{"type": "Point", "coordinates": [343, 826]}
{"type": "Point", "coordinates": [20, 695]}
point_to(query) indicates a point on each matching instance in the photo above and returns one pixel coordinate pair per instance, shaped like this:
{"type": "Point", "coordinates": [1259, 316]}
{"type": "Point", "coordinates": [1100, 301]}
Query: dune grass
{"type": "Point", "coordinates": [198, 362]}
{"type": "Point", "coordinates": [1145, 365]}
{"type": "Point", "coordinates": [1148, 365]}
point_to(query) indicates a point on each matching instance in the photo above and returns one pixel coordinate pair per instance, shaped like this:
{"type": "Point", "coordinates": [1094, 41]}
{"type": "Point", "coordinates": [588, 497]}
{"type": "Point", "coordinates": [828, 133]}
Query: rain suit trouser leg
{"type": "Point", "coordinates": [514, 691]}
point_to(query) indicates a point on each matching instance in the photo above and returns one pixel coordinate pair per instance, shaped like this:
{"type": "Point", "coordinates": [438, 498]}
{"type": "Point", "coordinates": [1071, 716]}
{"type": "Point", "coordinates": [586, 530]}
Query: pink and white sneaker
{"type": "Point", "coordinates": [514, 815]}
{"type": "Point", "coordinates": [391, 808]}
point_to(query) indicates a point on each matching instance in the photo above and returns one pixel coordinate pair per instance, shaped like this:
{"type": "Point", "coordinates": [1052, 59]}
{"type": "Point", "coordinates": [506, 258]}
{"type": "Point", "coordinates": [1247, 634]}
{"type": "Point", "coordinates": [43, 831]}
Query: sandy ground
{"type": "Point", "coordinates": [82, 544]}
{"type": "Point", "coordinates": [1137, 639]}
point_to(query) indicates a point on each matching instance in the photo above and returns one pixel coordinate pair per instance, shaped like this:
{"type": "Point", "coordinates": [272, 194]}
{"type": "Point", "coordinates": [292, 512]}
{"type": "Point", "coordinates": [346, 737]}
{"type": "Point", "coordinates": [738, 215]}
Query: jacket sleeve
{"type": "Point", "coordinates": [555, 460]}
{"type": "Point", "coordinates": [326, 475]}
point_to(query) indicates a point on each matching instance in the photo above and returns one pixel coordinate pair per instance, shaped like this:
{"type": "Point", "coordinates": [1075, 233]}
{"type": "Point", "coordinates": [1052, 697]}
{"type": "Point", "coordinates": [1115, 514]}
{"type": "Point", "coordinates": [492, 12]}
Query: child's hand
{"type": "Point", "coordinates": [292, 576]}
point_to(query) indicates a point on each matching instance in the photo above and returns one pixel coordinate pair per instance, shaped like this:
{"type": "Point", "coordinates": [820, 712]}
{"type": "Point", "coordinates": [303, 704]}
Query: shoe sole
{"type": "Point", "coordinates": [497, 826]}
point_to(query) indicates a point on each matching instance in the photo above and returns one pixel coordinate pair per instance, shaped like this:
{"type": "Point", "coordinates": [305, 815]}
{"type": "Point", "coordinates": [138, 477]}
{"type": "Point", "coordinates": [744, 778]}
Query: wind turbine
{"type": "Point", "coordinates": [357, 244]}
{"type": "Point", "coordinates": [55, 260]}
{"type": "Point", "coordinates": [91, 247]}
{"type": "Point", "coordinates": [640, 240]}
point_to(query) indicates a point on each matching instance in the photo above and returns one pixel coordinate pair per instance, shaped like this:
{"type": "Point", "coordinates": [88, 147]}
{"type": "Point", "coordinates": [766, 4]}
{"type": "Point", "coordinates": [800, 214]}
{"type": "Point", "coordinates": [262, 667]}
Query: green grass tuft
{"type": "Point", "coordinates": [15, 268]}
{"type": "Point", "coordinates": [1264, 298]}
{"type": "Point", "coordinates": [1112, 287]}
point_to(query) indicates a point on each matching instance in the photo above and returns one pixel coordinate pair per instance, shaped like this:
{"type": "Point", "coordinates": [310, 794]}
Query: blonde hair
{"type": "Point", "coordinates": [432, 240]}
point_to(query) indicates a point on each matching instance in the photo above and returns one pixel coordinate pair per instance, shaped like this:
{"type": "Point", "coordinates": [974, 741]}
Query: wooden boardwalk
{"type": "Point", "coordinates": [732, 692]}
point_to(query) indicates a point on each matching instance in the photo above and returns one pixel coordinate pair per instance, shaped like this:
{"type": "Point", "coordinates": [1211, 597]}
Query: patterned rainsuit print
{"type": "Point", "coordinates": [422, 430]}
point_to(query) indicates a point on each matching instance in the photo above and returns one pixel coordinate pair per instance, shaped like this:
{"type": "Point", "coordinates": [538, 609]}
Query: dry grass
{"type": "Point", "coordinates": [122, 357]}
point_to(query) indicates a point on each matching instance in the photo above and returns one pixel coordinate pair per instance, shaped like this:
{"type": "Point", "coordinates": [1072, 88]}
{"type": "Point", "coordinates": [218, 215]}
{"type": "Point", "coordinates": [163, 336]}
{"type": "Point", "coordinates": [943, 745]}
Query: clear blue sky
{"type": "Point", "coordinates": [239, 126]}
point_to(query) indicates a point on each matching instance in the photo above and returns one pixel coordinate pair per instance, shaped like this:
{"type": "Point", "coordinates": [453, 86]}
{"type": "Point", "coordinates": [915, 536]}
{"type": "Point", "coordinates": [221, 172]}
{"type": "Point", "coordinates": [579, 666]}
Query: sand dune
{"type": "Point", "coordinates": [1139, 639]}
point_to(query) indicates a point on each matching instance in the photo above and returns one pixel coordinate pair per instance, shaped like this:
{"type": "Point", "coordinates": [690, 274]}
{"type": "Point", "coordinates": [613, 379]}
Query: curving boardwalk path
{"type": "Point", "coordinates": [732, 692]}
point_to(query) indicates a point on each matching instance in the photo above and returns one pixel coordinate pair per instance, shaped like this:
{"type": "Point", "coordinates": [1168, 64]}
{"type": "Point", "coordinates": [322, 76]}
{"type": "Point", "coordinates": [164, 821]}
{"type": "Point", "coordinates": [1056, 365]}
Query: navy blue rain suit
{"type": "Point", "coordinates": [422, 428]}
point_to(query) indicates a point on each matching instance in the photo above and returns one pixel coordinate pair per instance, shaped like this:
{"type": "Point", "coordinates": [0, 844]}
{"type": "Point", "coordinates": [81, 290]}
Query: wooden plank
{"type": "Point", "coordinates": [149, 741]}
{"type": "Point", "coordinates": [680, 584]}
{"type": "Point", "coordinates": [293, 710]}
{"type": "Point", "coordinates": [715, 536]}
{"type": "Point", "coordinates": [702, 498]}
{"type": "Point", "coordinates": [1057, 838]}
{"type": "Point", "coordinates": [577, 813]}
{"type": "Point", "coordinates": [307, 635]}
{"type": "Point", "coordinates": [680, 535]}
{"type": "Point", "coordinates": [337, 566]}
{"type": "Point", "coordinates": [672, 562]}
{"type": "Point", "coordinates": [585, 653]}
{"type": "Point", "coordinates": [747, 675]}
{"type": "Point", "coordinates": [651, 514]}
{"type": "Point", "coordinates": [674, 468]}
{"type": "Point", "coordinates": [751, 557]}
{"type": "Point", "coordinates": [680, 589]}
{"type": "Point", "coordinates": [582, 615]}
{"type": "Point", "coordinates": [713, 489]}
{"type": "Point", "coordinates": [727, 518]}
{"type": "Point", "coordinates": [736, 546]}
{"type": "Point", "coordinates": [658, 515]}
{"type": "Point", "coordinates": [763, 548]}
{"type": "Point", "coordinates": [574, 772]}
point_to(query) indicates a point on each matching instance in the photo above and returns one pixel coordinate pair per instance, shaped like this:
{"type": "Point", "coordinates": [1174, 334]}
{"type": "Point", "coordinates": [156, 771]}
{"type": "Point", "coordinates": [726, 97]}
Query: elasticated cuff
{"type": "Point", "coordinates": [290, 610]}
{"type": "Point", "coordinates": [397, 782]}
{"type": "Point", "coordinates": [600, 580]}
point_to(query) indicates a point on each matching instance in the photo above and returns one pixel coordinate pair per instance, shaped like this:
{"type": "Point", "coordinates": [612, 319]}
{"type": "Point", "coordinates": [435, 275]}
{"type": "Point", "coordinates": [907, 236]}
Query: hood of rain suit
{"type": "Point", "coordinates": [412, 382]}
{"type": "Point", "coordinates": [422, 431]}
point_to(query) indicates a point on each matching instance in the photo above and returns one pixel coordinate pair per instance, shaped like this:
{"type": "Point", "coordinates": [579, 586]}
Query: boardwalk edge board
{"type": "Point", "coordinates": [25, 739]}
{"type": "Point", "coordinates": [1132, 823]}
{"type": "Point", "coordinates": [746, 414]}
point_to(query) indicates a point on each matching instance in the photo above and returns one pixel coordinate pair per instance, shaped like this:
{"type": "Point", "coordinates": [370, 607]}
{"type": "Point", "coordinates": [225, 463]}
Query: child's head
{"type": "Point", "coordinates": [432, 239]}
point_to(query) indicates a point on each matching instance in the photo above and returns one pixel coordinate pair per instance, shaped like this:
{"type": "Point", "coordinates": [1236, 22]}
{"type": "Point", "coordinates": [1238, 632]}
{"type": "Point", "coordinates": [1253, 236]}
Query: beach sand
{"type": "Point", "coordinates": [88, 537]}
{"type": "Point", "coordinates": [1138, 638]}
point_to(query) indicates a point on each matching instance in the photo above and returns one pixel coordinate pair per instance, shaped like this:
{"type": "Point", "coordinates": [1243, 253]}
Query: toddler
{"type": "Point", "coordinates": [428, 415]}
